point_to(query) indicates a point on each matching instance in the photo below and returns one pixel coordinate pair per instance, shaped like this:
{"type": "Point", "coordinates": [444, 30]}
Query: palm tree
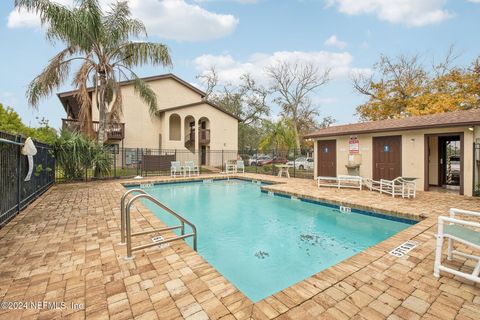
{"type": "Point", "coordinates": [101, 41]}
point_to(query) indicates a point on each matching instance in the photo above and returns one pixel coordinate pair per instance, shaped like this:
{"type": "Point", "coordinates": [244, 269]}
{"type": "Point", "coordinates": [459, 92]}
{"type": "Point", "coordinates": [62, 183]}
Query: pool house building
{"type": "Point", "coordinates": [439, 150]}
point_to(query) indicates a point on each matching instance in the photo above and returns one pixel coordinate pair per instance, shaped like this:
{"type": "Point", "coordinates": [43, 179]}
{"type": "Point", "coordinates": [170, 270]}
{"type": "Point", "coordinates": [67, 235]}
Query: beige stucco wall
{"type": "Point", "coordinates": [145, 131]}
{"type": "Point", "coordinates": [223, 128]}
{"type": "Point", "coordinates": [175, 127]}
{"type": "Point", "coordinates": [412, 153]}
{"type": "Point", "coordinates": [433, 161]}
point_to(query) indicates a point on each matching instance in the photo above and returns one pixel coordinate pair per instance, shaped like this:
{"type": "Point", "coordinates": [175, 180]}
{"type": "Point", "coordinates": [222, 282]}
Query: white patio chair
{"type": "Point", "coordinates": [191, 167]}
{"type": "Point", "coordinates": [342, 181]}
{"type": "Point", "coordinates": [399, 186]}
{"type": "Point", "coordinates": [348, 181]}
{"type": "Point", "coordinates": [176, 169]}
{"type": "Point", "coordinates": [463, 231]}
{"type": "Point", "coordinates": [371, 184]}
{"type": "Point", "coordinates": [230, 167]}
{"type": "Point", "coordinates": [327, 181]}
{"type": "Point", "coordinates": [240, 166]}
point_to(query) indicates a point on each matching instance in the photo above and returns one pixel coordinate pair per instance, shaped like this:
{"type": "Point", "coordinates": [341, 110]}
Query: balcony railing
{"type": "Point", "coordinates": [115, 131]}
{"type": "Point", "coordinates": [204, 136]}
{"type": "Point", "coordinates": [190, 139]}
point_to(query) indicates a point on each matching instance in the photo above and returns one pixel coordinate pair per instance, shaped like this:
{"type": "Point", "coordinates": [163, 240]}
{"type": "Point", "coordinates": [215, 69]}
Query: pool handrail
{"type": "Point", "coordinates": [129, 233]}
{"type": "Point", "coordinates": [122, 213]}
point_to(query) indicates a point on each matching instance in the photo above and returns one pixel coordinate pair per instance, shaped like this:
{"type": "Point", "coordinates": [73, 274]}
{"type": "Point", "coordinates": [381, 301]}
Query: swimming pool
{"type": "Point", "coordinates": [263, 243]}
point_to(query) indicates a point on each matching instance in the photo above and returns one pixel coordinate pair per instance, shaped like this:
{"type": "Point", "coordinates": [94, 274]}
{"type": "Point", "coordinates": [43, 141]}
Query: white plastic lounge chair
{"type": "Point", "coordinates": [240, 166]}
{"type": "Point", "coordinates": [371, 184]}
{"type": "Point", "coordinates": [176, 169]}
{"type": "Point", "coordinates": [463, 231]}
{"type": "Point", "coordinates": [342, 181]}
{"type": "Point", "coordinates": [230, 167]}
{"type": "Point", "coordinates": [399, 186]}
{"type": "Point", "coordinates": [191, 168]}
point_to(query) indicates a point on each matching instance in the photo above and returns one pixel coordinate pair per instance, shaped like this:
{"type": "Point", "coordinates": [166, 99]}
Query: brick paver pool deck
{"type": "Point", "coordinates": [65, 248]}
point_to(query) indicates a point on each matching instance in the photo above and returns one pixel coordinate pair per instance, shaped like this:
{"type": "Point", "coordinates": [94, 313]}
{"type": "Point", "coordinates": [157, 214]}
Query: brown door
{"type": "Point", "coordinates": [327, 158]}
{"type": "Point", "coordinates": [387, 157]}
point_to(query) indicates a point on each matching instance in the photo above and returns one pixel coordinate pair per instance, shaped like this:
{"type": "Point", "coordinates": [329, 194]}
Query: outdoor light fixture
{"type": "Point", "coordinates": [470, 128]}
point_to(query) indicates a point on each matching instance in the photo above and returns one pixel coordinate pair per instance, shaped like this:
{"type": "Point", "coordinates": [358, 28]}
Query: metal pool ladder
{"type": "Point", "coordinates": [126, 229]}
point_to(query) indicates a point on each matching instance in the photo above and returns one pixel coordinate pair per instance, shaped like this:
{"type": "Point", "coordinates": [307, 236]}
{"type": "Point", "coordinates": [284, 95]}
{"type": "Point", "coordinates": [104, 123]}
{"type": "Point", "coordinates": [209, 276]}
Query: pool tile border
{"type": "Point", "coordinates": [336, 206]}
{"type": "Point", "coordinates": [389, 215]}
{"type": "Point", "coordinates": [335, 203]}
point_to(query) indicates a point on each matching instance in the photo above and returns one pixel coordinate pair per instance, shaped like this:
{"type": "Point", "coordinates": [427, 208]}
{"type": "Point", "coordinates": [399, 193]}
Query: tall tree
{"type": "Point", "coordinates": [248, 100]}
{"type": "Point", "coordinates": [11, 122]}
{"type": "Point", "coordinates": [101, 42]}
{"type": "Point", "coordinates": [293, 83]}
{"type": "Point", "coordinates": [402, 87]}
{"type": "Point", "coordinates": [278, 135]}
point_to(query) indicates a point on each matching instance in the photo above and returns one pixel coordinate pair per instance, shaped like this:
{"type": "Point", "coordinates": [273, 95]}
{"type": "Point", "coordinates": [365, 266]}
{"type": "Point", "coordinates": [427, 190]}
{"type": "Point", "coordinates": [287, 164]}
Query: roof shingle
{"type": "Point", "coordinates": [447, 119]}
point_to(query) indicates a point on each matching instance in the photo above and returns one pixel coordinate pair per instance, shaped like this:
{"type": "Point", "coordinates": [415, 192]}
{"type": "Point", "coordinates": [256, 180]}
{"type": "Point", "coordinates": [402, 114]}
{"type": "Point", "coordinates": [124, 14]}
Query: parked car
{"type": "Point", "coordinates": [255, 160]}
{"type": "Point", "coordinates": [302, 163]}
{"type": "Point", "coordinates": [274, 160]}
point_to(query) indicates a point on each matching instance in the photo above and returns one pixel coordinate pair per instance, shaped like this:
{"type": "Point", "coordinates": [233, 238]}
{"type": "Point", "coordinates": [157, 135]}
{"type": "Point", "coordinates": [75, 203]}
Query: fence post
{"type": "Point", "coordinates": [143, 172]}
{"type": "Point", "coordinates": [294, 161]}
{"type": "Point", "coordinates": [123, 158]}
{"type": "Point", "coordinates": [222, 162]}
{"type": "Point", "coordinates": [115, 162]}
{"type": "Point", "coordinates": [256, 161]}
{"type": "Point", "coordinates": [273, 162]}
{"type": "Point", "coordinates": [19, 173]}
{"type": "Point", "coordinates": [137, 162]}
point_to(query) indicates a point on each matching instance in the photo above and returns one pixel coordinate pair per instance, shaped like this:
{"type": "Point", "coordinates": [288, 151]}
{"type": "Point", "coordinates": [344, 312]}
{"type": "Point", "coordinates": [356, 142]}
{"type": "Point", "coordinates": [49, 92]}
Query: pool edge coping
{"type": "Point", "coordinates": [271, 183]}
{"type": "Point", "coordinates": [334, 274]}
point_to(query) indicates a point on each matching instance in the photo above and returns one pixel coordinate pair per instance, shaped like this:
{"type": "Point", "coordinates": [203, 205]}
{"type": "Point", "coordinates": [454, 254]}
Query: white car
{"type": "Point", "coordinates": [302, 163]}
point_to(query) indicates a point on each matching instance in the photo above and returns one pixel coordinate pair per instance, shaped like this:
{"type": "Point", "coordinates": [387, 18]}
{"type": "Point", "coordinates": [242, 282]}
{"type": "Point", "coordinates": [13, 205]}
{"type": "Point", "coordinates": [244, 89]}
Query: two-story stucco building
{"type": "Point", "coordinates": [185, 122]}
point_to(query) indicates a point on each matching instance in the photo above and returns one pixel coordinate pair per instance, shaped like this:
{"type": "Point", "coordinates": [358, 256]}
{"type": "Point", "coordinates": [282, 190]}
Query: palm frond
{"type": "Point", "coordinates": [113, 98]}
{"type": "Point", "coordinates": [139, 53]}
{"type": "Point", "coordinates": [82, 94]}
{"type": "Point", "coordinates": [146, 93]}
{"type": "Point", "coordinates": [119, 26]}
{"type": "Point", "coordinates": [51, 77]}
{"type": "Point", "coordinates": [63, 23]}
{"type": "Point", "coordinates": [89, 15]}
{"type": "Point", "coordinates": [116, 109]}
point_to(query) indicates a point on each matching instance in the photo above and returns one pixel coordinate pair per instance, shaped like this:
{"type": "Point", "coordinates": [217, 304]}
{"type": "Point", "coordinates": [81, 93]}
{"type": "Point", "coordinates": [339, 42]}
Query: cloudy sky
{"type": "Point", "coordinates": [239, 36]}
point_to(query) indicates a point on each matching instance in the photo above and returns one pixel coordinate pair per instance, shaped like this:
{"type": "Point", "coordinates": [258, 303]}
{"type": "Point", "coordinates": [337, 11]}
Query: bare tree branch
{"type": "Point", "coordinates": [293, 83]}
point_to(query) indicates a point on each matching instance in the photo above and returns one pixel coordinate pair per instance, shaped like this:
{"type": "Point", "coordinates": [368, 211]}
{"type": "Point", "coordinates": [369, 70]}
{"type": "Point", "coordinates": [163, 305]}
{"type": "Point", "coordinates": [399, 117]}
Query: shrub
{"type": "Point", "coordinates": [75, 153]}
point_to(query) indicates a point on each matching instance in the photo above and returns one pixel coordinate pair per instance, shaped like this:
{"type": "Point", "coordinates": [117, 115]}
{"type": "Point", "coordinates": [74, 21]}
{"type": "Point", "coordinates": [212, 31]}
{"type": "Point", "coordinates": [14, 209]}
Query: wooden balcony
{"type": "Point", "coordinates": [204, 137]}
{"type": "Point", "coordinates": [115, 131]}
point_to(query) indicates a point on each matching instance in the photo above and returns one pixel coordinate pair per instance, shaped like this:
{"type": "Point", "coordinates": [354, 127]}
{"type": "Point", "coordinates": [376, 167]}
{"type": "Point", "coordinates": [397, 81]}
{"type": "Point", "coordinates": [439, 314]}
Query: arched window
{"type": "Point", "coordinates": [175, 127]}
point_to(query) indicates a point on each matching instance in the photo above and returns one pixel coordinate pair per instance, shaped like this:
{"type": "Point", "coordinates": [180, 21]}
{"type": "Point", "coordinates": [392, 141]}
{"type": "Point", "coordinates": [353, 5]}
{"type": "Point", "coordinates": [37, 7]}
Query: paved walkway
{"type": "Point", "coordinates": [64, 248]}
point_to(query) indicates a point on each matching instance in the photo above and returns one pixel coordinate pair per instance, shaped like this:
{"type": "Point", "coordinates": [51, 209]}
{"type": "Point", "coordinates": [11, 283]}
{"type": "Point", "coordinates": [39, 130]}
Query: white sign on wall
{"type": "Point", "coordinates": [353, 145]}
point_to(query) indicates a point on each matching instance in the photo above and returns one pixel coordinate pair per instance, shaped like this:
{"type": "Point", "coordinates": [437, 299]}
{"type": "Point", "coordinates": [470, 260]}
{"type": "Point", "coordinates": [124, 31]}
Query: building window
{"type": "Point", "coordinates": [175, 127]}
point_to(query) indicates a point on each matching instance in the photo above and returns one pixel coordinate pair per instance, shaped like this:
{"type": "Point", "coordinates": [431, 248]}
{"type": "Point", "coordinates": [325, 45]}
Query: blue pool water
{"type": "Point", "coordinates": [262, 243]}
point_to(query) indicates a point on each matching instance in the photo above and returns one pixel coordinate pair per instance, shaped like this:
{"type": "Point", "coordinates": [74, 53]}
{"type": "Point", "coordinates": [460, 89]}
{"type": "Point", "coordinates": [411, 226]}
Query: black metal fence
{"type": "Point", "coordinates": [131, 162]}
{"type": "Point", "coordinates": [15, 193]}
